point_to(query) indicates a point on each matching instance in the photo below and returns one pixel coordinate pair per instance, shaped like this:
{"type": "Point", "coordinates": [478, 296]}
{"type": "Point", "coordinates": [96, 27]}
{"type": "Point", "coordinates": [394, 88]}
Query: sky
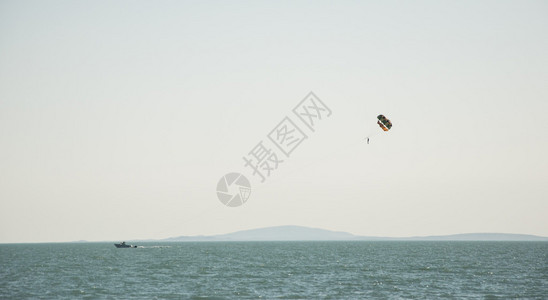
{"type": "Point", "coordinates": [119, 118]}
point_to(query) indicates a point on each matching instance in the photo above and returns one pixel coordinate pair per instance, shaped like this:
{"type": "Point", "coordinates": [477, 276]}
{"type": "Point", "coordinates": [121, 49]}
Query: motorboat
{"type": "Point", "coordinates": [124, 245]}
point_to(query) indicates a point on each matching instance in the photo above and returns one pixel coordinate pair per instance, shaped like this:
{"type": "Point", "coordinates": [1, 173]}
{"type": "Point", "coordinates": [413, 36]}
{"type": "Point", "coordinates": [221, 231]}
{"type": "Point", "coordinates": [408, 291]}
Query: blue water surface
{"type": "Point", "coordinates": [276, 270]}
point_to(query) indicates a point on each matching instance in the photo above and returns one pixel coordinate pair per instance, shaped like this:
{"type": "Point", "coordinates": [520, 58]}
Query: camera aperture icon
{"type": "Point", "coordinates": [233, 189]}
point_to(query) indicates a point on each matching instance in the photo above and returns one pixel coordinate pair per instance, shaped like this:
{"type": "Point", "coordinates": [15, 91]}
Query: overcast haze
{"type": "Point", "coordinates": [118, 118]}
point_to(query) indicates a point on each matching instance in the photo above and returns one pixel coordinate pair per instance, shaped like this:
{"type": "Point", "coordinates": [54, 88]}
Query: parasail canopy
{"type": "Point", "coordinates": [384, 123]}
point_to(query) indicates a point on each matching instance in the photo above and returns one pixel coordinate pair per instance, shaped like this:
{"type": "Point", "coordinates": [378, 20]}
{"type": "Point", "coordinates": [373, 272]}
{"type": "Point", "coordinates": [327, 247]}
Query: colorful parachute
{"type": "Point", "coordinates": [384, 123]}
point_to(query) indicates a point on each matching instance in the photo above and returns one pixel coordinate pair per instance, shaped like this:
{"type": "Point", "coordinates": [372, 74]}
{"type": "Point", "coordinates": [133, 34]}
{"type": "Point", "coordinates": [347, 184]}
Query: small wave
{"type": "Point", "coordinates": [154, 247]}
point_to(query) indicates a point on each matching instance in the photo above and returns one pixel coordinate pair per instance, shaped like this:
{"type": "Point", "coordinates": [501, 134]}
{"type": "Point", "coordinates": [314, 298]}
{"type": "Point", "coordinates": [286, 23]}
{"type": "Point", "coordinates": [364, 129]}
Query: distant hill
{"type": "Point", "coordinates": [300, 233]}
{"type": "Point", "coordinates": [279, 233]}
{"type": "Point", "coordinates": [483, 237]}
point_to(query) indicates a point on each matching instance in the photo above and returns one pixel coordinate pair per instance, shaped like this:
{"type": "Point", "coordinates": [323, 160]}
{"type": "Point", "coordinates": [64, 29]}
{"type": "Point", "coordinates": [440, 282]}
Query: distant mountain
{"type": "Point", "coordinates": [279, 233]}
{"type": "Point", "coordinates": [483, 237]}
{"type": "Point", "coordinates": [299, 233]}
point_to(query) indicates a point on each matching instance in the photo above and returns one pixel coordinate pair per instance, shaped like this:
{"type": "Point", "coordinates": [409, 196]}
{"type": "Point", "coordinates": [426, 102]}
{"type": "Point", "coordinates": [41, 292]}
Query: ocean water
{"type": "Point", "coordinates": [276, 270]}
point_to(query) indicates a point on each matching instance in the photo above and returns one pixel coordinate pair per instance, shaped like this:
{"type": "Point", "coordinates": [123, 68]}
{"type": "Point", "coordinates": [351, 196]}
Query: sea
{"type": "Point", "coordinates": [276, 270]}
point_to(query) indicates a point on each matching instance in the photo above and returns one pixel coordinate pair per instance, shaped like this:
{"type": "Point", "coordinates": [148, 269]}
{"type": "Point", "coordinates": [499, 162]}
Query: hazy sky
{"type": "Point", "coordinates": [118, 118]}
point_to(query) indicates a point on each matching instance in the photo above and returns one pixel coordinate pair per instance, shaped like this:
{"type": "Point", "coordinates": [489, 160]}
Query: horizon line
{"type": "Point", "coordinates": [357, 237]}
